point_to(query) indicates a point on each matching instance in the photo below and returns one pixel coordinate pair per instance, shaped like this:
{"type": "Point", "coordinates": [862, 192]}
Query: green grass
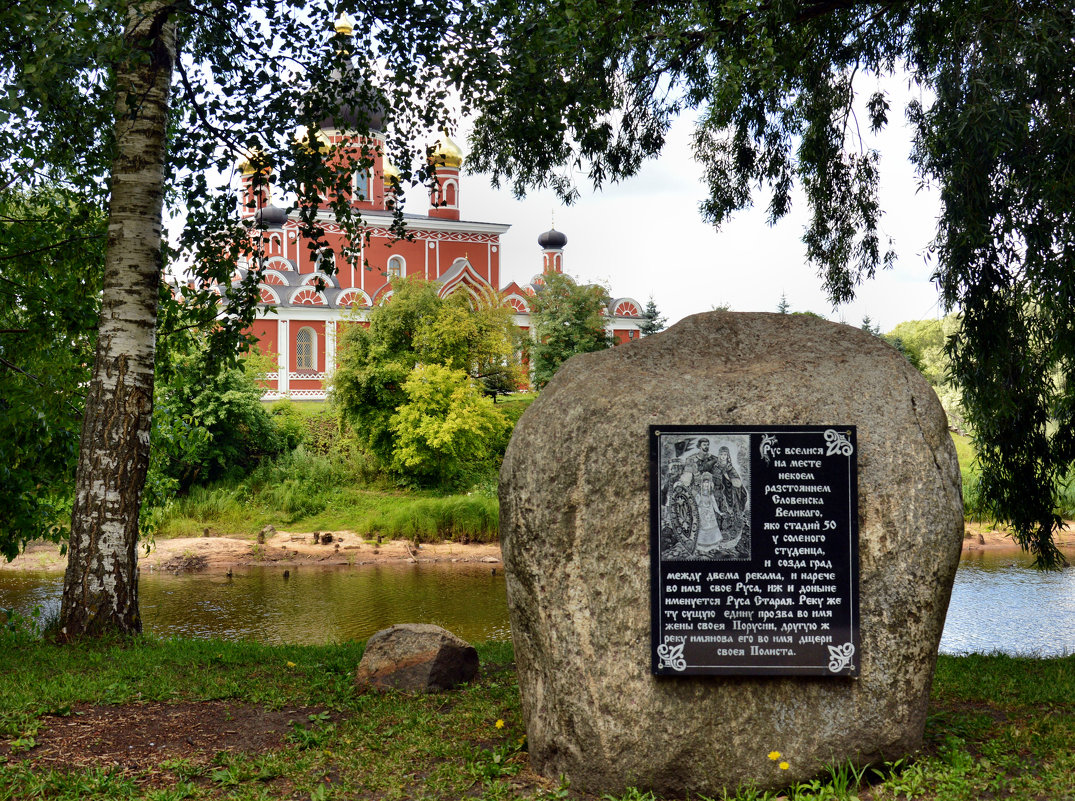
{"type": "Point", "coordinates": [998, 727]}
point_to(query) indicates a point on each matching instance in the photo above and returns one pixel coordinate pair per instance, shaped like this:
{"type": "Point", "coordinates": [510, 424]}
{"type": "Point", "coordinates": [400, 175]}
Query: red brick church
{"type": "Point", "coordinates": [461, 255]}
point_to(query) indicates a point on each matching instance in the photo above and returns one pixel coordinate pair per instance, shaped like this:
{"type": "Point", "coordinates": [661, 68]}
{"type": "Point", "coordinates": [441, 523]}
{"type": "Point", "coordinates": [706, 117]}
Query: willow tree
{"type": "Point", "coordinates": [783, 91]}
{"type": "Point", "coordinates": [135, 103]}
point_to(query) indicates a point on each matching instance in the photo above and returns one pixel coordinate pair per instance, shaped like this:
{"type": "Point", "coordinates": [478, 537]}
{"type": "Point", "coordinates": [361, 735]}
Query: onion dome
{"type": "Point", "coordinates": [447, 153]}
{"type": "Point", "coordinates": [392, 177]}
{"type": "Point", "coordinates": [247, 159]}
{"type": "Point", "coordinates": [361, 117]}
{"type": "Point", "coordinates": [311, 142]}
{"type": "Point", "coordinates": [272, 217]}
{"type": "Point", "coordinates": [552, 240]}
{"type": "Point", "coordinates": [345, 24]}
{"type": "Point", "coordinates": [343, 112]}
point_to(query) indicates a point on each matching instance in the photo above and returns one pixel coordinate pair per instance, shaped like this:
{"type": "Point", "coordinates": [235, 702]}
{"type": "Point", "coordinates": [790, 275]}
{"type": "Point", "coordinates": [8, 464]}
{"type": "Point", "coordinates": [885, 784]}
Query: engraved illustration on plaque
{"type": "Point", "coordinates": [705, 497]}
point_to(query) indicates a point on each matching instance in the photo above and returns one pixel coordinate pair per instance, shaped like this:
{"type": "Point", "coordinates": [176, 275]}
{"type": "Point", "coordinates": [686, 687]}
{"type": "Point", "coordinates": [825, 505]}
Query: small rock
{"type": "Point", "coordinates": [490, 559]}
{"type": "Point", "coordinates": [416, 657]}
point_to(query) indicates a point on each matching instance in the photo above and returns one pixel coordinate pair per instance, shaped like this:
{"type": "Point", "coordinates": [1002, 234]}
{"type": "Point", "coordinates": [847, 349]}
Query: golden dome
{"type": "Point", "coordinates": [246, 159]}
{"type": "Point", "coordinates": [345, 25]}
{"type": "Point", "coordinates": [392, 176]}
{"type": "Point", "coordinates": [447, 153]}
{"type": "Point", "coordinates": [305, 140]}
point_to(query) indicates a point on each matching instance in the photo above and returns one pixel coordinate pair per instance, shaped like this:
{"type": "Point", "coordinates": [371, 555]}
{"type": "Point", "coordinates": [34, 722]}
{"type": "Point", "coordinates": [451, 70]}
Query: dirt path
{"type": "Point", "coordinates": [220, 554]}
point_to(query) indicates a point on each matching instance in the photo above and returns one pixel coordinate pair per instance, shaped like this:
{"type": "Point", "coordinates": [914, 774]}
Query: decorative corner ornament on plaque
{"type": "Point", "coordinates": [672, 656]}
{"type": "Point", "coordinates": [838, 444]}
{"type": "Point", "coordinates": [840, 656]}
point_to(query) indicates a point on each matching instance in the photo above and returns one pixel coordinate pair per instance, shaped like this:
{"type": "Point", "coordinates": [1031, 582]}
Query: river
{"type": "Point", "coordinates": [999, 603]}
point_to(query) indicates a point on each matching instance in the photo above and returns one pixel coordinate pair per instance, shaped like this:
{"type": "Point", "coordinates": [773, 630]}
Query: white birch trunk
{"type": "Point", "coordinates": [101, 584]}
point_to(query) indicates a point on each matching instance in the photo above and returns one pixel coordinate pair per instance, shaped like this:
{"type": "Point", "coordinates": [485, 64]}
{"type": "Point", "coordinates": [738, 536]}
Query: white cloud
{"type": "Point", "coordinates": [645, 237]}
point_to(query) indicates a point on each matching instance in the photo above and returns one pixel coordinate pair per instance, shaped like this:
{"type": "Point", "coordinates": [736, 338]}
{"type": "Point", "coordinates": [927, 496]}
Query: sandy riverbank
{"type": "Point", "coordinates": [220, 554]}
{"type": "Point", "coordinates": [984, 537]}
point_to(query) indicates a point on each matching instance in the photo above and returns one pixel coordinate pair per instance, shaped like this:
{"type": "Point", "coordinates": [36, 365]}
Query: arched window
{"type": "Point", "coordinates": [304, 349]}
{"type": "Point", "coordinates": [449, 194]}
{"type": "Point", "coordinates": [397, 267]}
{"type": "Point", "coordinates": [325, 261]}
{"type": "Point", "coordinates": [362, 185]}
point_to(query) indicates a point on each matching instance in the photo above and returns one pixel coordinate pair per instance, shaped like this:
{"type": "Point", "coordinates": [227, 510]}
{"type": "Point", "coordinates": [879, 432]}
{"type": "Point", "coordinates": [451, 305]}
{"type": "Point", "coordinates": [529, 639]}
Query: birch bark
{"type": "Point", "coordinates": [101, 584]}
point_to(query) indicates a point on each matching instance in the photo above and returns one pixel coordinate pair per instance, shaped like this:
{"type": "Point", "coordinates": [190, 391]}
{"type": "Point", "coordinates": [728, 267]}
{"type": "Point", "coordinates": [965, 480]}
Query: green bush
{"type": "Point", "coordinates": [445, 432]}
{"type": "Point", "coordinates": [212, 427]}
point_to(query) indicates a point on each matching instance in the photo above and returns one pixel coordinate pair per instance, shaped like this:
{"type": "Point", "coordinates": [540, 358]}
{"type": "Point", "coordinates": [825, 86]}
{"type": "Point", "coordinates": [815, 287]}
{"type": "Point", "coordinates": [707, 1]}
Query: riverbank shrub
{"type": "Point", "coordinates": [445, 433]}
{"type": "Point", "coordinates": [342, 490]}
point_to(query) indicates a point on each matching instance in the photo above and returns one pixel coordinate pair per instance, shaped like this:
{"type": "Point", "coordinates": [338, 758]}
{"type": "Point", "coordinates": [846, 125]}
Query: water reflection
{"type": "Point", "coordinates": [312, 606]}
{"type": "Point", "coordinates": [1001, 603]}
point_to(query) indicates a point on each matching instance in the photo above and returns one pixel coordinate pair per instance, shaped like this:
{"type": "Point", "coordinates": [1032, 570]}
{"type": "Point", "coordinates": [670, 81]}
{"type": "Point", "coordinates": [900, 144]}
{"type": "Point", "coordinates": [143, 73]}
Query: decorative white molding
{"type": "Point", "coordinates": [305, 377]}
{"type": "Point", "coordinates": [303, 394]}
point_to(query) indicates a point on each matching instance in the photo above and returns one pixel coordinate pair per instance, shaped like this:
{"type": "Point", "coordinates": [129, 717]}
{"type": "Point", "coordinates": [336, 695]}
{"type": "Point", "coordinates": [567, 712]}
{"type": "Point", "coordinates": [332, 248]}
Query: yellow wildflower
{"type": "Point", "coordinates": [291, 664]}
{"type": "Point", "coordinates": [500, 724]}
{"type": "Point", "coordinates": [784, 766]}
{"type": "Point", "coordinates": [774, 755]}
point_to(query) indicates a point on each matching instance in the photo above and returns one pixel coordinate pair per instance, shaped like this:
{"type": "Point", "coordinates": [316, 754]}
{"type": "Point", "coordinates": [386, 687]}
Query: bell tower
{"type": "Point", "coordinates": [444, 199]}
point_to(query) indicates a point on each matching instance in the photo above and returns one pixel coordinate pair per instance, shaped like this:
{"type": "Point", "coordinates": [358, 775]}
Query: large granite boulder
{"type": "Point", "coordinates": [416, 657]}
{"type": "Point", "coordinates": [574, 525]}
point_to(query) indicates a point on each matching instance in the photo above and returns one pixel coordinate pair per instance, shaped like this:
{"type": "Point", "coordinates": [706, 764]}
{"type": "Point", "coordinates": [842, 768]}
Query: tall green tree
{"type": "Point", "coordinates": [472, 336]}
{"type": "Point", "coordinates": [783, 91]}
{"type": "Point", "coordinates": [566, 318]}
{"type": "Point", "coordinates": [132, 102]}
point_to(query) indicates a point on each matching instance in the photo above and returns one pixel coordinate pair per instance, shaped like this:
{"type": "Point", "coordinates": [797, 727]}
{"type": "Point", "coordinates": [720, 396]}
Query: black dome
{"type": "Point", "coordinates": [552, 240]}
{"type": "Point", "coordinates": [366, 115]}
{"type": "Point", "coordinates": [271, 217]}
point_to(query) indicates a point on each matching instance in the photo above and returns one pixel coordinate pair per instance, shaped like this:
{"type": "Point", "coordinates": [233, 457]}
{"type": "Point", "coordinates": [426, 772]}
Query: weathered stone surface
{"type": "Point", "coordinates": [416, 657]}
{"type": "Point", "coordinates": [574, 511]}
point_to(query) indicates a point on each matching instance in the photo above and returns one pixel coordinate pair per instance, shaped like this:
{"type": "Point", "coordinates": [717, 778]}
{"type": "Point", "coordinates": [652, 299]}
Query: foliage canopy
{"type": "Point", "coordinates": [51, 247]}
{"type": "Point", "coordinates": [471, 338]}
{"type": "Point", "coordinates": [780, 88]}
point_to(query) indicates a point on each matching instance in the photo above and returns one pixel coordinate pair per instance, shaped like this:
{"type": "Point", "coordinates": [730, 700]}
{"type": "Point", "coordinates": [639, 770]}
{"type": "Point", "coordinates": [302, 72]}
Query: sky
{"type": "Point", "coordinates": [645, 237]}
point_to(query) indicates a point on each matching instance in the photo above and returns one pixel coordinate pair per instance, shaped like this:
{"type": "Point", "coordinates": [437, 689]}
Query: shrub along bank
{"type": "Point", "coordinates": [161, 719]}
{"type": "Point", "coordinates": [331, 482]}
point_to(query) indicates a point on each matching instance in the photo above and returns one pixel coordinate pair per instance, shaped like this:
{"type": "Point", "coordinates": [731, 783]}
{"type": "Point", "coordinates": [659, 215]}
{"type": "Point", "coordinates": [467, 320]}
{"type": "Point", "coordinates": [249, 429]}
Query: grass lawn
{"type": "Point", "coordinates": [208, 719]}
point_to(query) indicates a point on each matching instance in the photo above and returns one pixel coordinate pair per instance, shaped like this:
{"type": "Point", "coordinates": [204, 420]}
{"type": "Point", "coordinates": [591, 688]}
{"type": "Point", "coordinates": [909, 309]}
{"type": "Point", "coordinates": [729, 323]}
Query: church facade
{"type": "Point", "coordinates": [304, 305]}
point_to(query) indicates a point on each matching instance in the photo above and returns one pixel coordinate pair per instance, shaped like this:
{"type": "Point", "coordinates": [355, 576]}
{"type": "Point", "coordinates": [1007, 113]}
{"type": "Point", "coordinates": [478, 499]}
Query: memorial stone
{"type": "Point", "coordinates": [598, 514]}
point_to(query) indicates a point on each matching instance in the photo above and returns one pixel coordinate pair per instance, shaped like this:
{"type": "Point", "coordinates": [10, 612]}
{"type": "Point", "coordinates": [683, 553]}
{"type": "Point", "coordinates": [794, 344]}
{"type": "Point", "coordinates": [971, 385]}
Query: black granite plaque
{"type": "Point", "coordinates": [754, 550]}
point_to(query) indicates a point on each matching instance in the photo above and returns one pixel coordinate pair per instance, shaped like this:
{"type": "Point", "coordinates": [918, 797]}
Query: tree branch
{"type": "Point", "coordinates": [12, 366]}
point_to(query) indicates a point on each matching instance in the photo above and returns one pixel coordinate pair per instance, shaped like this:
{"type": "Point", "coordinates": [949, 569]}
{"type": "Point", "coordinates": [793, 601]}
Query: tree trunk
{"type": "Point", "coordinates": [100, 593]}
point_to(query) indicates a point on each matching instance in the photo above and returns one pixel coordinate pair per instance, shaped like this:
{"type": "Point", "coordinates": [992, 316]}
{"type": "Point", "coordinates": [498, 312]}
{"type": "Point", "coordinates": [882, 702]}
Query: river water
{"type": "Point", "coordinates": [999, 603]}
